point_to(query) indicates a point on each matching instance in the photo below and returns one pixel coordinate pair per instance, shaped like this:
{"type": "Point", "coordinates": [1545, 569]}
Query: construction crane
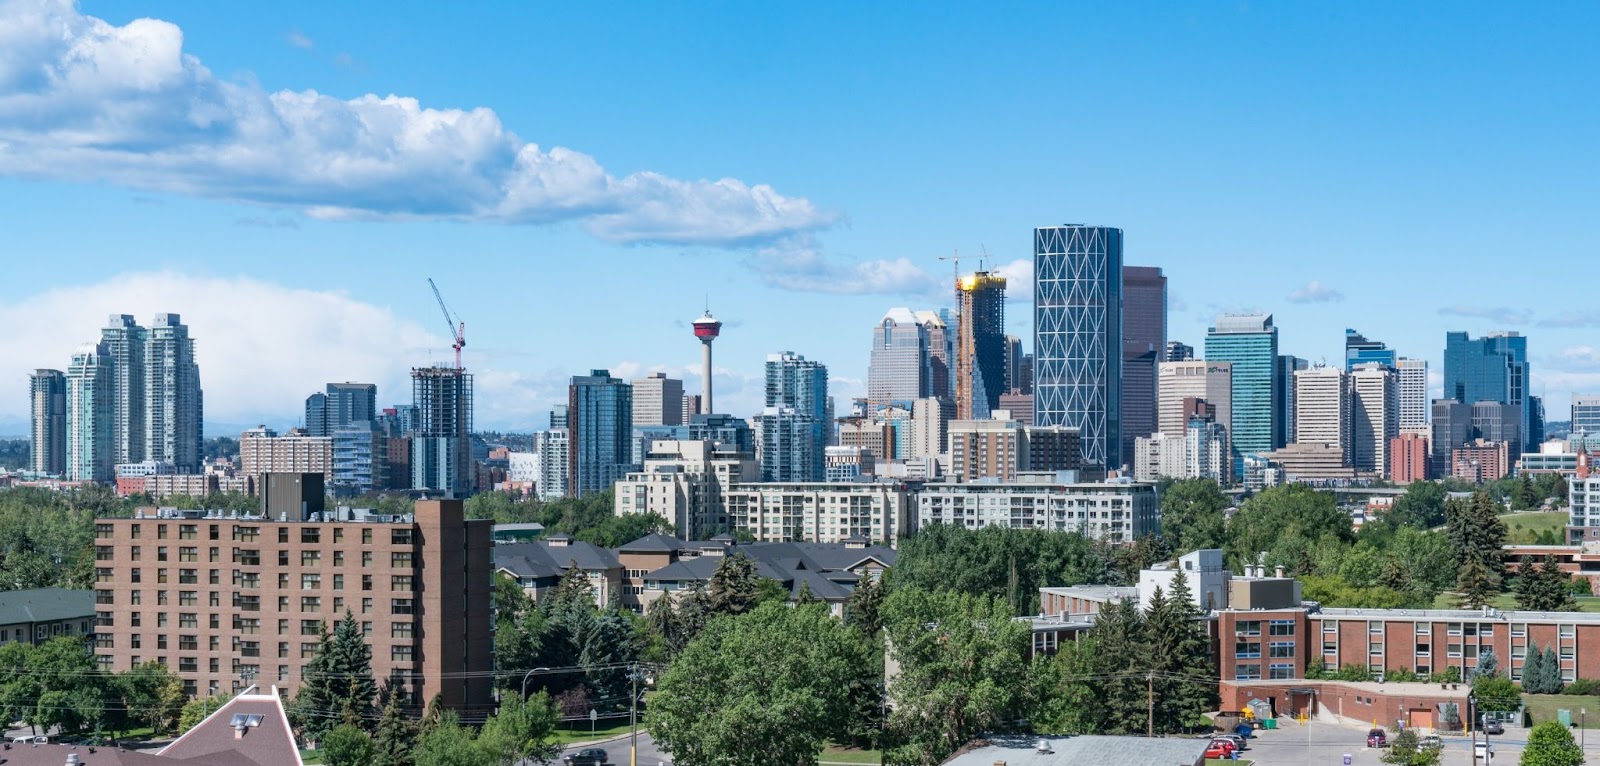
{"type": "Point", "coordinates": [458, 328]}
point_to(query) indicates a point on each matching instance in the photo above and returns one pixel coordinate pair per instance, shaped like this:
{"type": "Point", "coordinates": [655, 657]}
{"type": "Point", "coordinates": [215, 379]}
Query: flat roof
{"type": "Point", "coordinates": [1461, 615]}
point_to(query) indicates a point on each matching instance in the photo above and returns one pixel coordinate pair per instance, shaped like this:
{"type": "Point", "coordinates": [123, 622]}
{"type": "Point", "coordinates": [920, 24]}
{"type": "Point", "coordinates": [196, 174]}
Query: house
{"type": "Point", "coordinates": [40, 614]}
{"type": "Point", "coordinates": [538, 566]}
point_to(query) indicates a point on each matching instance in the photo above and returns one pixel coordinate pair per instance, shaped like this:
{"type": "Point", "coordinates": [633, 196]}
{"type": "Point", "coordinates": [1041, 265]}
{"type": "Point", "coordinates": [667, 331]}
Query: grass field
{"type": "Point", "coordinates": [1226, 762]}
{"type": "Point", "coordinates": [850, 755]}
{"type": "Point", "coordinates": [581, 733]}
{"type": "Point", "coordinates": [1543, 707]}
{"type": "Point", "coordinates": [1525, 527]}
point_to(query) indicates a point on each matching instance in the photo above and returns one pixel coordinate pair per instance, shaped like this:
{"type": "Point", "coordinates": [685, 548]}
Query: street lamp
{"type": "Point", "coordinates": [529, 674]}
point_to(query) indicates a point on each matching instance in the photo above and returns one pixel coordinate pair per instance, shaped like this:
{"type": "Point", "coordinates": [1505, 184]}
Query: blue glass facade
{"type": "Point", "coordinates": [600, 416]}
{"type": "Point", "coordinates": [1358, 349]}
{"type": "Point", "coordinates": [793, 429]}
{"type": "Point", "coordinates": [1491, 369]}
{"type": "Point", "coordinates": [1077, 336]}
{"type": "Point", "coordinates": [1250, 343]}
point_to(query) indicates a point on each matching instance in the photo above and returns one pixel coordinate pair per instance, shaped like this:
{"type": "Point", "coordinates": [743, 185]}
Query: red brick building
{"type": "Point", "coordinates": [1408, 459]}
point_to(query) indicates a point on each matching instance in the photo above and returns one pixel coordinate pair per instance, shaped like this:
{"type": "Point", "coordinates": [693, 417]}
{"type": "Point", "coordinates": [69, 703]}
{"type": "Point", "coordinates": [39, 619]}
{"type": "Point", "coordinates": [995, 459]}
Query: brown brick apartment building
{"type": "Point", "coordinates": [227, 601]}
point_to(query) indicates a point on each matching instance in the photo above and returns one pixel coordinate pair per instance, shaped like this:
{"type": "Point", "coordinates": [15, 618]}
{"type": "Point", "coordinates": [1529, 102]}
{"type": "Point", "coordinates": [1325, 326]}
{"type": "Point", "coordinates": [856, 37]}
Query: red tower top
{"type": "Point", "coordinates": [707, 328]}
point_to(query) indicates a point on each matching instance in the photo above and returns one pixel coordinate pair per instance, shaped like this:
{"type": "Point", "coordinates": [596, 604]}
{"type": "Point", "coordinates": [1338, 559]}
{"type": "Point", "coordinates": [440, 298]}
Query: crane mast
{"type": "Point", "coordinates": [458, 328]}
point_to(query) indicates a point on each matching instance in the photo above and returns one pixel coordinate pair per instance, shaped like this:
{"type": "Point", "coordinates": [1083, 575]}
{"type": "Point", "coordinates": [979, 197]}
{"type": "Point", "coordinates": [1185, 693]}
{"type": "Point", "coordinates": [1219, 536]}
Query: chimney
{"type": "Point", "coordinates": [1277, 572]}
{"type": "Point", "coordinates": [72, 759]}
{"type": "Point", "coordinates": [238, 731]}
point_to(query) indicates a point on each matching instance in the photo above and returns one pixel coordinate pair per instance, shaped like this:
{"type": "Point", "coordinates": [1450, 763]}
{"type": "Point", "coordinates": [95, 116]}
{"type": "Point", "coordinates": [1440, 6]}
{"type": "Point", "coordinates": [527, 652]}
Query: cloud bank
{"type": "Point", "coordinates": [85, 100]}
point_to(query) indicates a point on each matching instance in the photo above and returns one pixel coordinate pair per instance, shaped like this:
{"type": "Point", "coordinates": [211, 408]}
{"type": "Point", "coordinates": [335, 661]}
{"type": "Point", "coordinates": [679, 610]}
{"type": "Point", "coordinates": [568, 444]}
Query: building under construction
{"type": "Point", "coordinates": [980, 376]}
{"type": "Point", "coordinates": [441, 447]}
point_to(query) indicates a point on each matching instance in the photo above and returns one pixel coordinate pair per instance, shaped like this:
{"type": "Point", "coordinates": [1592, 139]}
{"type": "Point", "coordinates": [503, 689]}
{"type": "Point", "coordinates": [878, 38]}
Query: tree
{"type": "Point", "coordinates": [962, 671]}
{"type": "Point", "coordinates": [735, 588]}
{"type": "Point", "coordinates": [521, 730]}
{"type": "Point", "coordinates": [1541, 672]}
{"type": "Point", "coordinates": [1285, 523]}
{"type": "Point", "coordinates": [1545, 587]}
{"type": "Point", "coordinates": [767, 687]}
{"type": "Point", "coordinates": [1551, 744]}
{"type": "Point", "coordinates": [152, 695]}
{"type": "Point", "coordinates": [348, 745]}
{"type": "Point", "coordinates": [1495, 693]}
{"type": "Point", "coordinates": [1488, 664]}
{"type": "Point", "coordinates": [862, 610]}
{"type": "Point", "coordinates": [195, 710]}
{"type": "Point", "coordinates": [395, 735]}
{"type": "Point", "coordinates": [338, 681]}
{"type": "Point", "coordinates": [1422, 506]}
{"type": "Point", "coordinates": [447, 744]}
{"type": "Point", "coordinates": [1121, 667]}
{"type": "Point", "coordinates": [1192, 515]}
{"type": "Point", "coordinates": [1476, 585]}
{"type": "Point", "coordinates": [1180, 654]}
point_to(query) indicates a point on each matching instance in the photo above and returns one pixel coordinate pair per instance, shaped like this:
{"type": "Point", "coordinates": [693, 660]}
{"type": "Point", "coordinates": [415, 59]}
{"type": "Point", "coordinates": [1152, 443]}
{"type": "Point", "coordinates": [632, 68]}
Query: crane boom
{"type": "Point", "coordinates": [458, 328]}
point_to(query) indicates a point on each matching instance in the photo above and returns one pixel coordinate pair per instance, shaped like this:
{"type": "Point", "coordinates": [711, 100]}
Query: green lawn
{"type": "Point", "coordinates": [1543, 708]}
{"type": "Point", "coordinates": [1226, 762]}
{"type": "Point", "coordinates": [580, 732]}
{"type": "Point", "coordinates": [850, 755]}
{"type": "Point", "coordinates": [1524, 527]}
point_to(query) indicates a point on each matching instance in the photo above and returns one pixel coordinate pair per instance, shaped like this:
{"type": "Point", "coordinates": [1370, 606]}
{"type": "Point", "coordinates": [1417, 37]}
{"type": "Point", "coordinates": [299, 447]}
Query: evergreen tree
{"type": "Point", "coordinates": [315, 708]}
{"type": "Point", "coordinates": [1122, 665]}
{"type": "Point", "coordinates": [805, 596]}
{"type": "Point", "coordinates": [1552, 671]}
{"type": "Point", "coordinates": [866, 601]}
{"type": "Point", "coordinates": [1551, 591]}
{"type": "Point", "coordinates": [395, 735]}
{"type": "Point", "coordinates": [693, 610]}
{"type": "Point", "coordinates": [1181, 647]}
{"type": "Point", "coordinates": [352, 683]}
{"type": "Point", "coordinates": [1488, 664]}
{"type": "Point", "coordinates": [1533, 671]}
{"type": "Point", "coordinates": [1476, 585]}
{"type": "Point", "coordinates": [735, 588]}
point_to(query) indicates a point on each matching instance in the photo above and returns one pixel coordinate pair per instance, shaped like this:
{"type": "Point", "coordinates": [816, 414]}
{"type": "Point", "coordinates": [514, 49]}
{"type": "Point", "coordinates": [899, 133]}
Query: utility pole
{"type": "Point", "coordinates": [633, 715]}
{"type": "Point", "coordinates": [1150, 711]}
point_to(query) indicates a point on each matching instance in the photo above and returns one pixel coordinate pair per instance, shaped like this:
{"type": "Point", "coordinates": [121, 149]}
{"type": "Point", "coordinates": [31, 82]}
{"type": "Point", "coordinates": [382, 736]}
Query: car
{"type": "Point", "coordinates": [1493, 726]}
{"type": "Point", "coordinates": [1482, 752]}
{"type": "Point", "coordinates": [1377, 738]}
{"type": "Point", "coordinates": [589, 756]}
{"type": "Point", "coordinates": [1431, 741]}
{"type": "Point", "coordinates": [1238, 741]}
{"type": "Point", "coordinates": [1220, 749]}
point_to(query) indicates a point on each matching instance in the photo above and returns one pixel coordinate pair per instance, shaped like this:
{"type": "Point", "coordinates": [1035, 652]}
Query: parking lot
{"type": "Point", "coordinates": [1329, 743]}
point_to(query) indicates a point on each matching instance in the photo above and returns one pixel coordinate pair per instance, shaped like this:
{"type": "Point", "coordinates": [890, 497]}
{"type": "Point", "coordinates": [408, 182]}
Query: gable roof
{"type": "Point", "coordinates": [655, 543]}
{"type": "Point", "coordinates": [45, 605]}
{"type": "Point", "coordinates": [540, 559]}
{"type": "Point", "coordinates": [222, 739]}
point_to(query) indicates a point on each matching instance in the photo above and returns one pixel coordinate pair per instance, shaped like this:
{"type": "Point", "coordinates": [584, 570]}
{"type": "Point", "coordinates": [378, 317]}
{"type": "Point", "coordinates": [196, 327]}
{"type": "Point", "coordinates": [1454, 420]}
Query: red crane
{"type": "Point", "coordinates": [458, 328]}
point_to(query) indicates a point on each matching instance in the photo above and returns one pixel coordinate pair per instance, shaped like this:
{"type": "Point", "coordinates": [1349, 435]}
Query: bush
{"type": "Point", "coordinates": [1587, 687]}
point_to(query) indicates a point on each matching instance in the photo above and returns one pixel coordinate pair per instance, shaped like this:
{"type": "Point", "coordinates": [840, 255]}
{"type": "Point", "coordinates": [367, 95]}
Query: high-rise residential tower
{"type": "Point", "coordinates": [1413, 392]}
{"type": "Point", "coordinates": [792, 430]}
{"type": "Point", "coordinates": [600, 432]}
{"type": "Point", "coordinates": [657, 401]}
{"type": "Point", "coordinates": [441, 445]}
{"type": "Point", "coordinates": [1077, 336]}
{"type": "Point", "coordinates": [1374, 416]}
{"type": "Point", "coordinates": [125, 342]}
{"type": "Point", "coordinates": [1144, 342]}
{"type": "Point", "coordinates": [897, 370]}
{"type": "Point", "coordinates": [1322, 408]}
{"type": "Point", "coordinates": [47, 452]}
{"type": "Point", "coordinates": [1249, 342]}
{"type": "Point", "coordinates": [1493, 368]}
{"type": "Point", "coordinates": [90, 409]}
{"type": "Point", "coordinates": [174, 403]}
{"type": "Point", "coordinates": [980, 369]}
{"type": "Point", "coordinates": [1359, 349]}
{"type": "Point", "coordinates": [339, 406]}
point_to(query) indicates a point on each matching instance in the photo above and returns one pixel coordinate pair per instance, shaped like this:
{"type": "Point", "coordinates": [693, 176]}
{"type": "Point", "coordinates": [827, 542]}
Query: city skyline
{"type": "Point", "coordinates": [848, 235]}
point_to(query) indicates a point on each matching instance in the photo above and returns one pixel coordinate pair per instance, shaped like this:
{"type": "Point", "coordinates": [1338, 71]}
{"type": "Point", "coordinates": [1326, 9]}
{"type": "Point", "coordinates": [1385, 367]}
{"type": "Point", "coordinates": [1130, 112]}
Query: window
{"type": "Point", "coordinates": [283, 534]}
{"type": "Point", "coordinates": [1423, 650]}
{"type": "Point", "coordinates": [400, 537]}
{"type": "Point", "coordinates": [213, 531]}
{"type": "Point", "coordinates": [310, 581]}
{"type": "Point", "coordinates": [104, 597]}
{"type": "Point", "coordinates": [188, 665]}
{"type": "Point", "coordinates": [1519, 629]}
{"type": "Point", "coordinates": [310, 535]}
{"type": "Point", "coordinates": [307, 651]}
{"type": "Point", "coordinates": [246, 534]}
{"type": "Point", "coordinates": [400, 559]}
{"type": "Point", "coordinates": [338, 582]}
{"type": "Point", "coordinates": [188, 598]}
{"type": "Point", "coordinates": [135, 536]}
{"type": "Point", "coordinates": [1247, 672]}
{"type": "Point", "coordinates": [1453, 628]}
{"type": "Point", "coordinates": [1281, 628]}
{"type": "Point", "coordinates": [133, 553]}
{"type": "Point", "coordinates": [133, 575]}
{"type": "Point", "coordinates": [189, 576]}
{"type": "Point", "coordinates": [400, 653]}
{"type": "Point", "coordinates": [1247, 649]}
{"type": "Point", "coordinates": [188, 620]}
{"type": "Point", "coordinates": [104, 553]}
{"type": "Point", "coordinates": [1375, 628]}
{"type": "Point", "coordinates": [283, 581]}
{"type": "Point", "coordinates": [248, 557]}
{"type": "Point", "coordinates": [401, 630]}
{"type": "Point", "coordinates": [189, 643]}
{"type": "Point", "coordinates": [1330, 647]}
{"type": "Point", "coordinates": [310, 627]}
{"type": "Point", "coordinates": [161, 531]}
{"type": "Point", "coordinates": [401, 583]}
{"type": "Point", "coordinates": [338, 558]}
{"type": "Point", "coordinates": [1281, 649]}
{"type": "Point", "coordinates": [338, 534]}
{"type": "Point", "coordinates": [104, 531]}
{"type": "Point", "coordinates": [366, 537]}
{"type": "Point", "coordinates": [188, 553]}
{"type": "Point", "coordinates": [283, 558]}
{"type": "Point", "coordinates": [1453, 650]}
{"type": "Point", "coordinates": [1424, 629]}
{"type": "Point", "coordinates": [366, 582]}
{"type": "Point", "coordinates": [310, 558]}
{"type": "Point", "coordinates": [310, 603]}
{"type": "Point", "coordinates": [366, 558]}
{"type": "Point", "coordinates": [161, 553]}
{"type": "Point", "coordinates": [1247, 628]}
{"type": "Point", "coordinates": [403, 606]}
{"type": "Point", "coordinates": [1280, 670]}
{"type": "Point", "coordinates": [1568, 631]}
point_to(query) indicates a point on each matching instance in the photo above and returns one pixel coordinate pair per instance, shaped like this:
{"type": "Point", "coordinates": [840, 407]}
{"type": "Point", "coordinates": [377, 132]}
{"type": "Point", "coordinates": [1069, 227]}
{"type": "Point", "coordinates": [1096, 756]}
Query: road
{"type": "Point", "coordinates": [617, 752]}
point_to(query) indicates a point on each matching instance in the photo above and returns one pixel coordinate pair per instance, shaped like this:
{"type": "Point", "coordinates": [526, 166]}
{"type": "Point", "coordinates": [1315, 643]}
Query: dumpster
{"type": "Point", "coordinates": [1565, 716]}
{"type": "Point", "coordinates": [1270, 723]}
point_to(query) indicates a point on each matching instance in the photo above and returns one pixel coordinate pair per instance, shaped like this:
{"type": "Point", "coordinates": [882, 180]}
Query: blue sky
{"type": "Point", "coordinates": [1400, 170]}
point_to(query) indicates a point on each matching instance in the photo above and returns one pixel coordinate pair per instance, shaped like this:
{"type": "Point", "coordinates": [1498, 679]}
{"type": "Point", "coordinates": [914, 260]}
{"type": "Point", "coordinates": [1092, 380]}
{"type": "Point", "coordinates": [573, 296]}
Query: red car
{"type": "Point", "coordinates": [1220, 748]}
{"type": "Point", "coordinates": [1377, 738]}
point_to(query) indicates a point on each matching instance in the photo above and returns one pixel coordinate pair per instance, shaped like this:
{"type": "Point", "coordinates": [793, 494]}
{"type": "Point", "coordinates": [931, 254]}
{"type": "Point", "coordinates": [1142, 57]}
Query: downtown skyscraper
{"type": "Point", "coordinates": [1493, 368]}
{"type": "Point", "coordinates": [1144, 343]}
{"type": "Point", "coordinates": [47, 390]}
{"type": "Point", "coordinates": [599, 432]}
{"type": "Point", "coordinates": [897, 372]}
{"type": "Point", "coordinates": [980, 365]}
{"type": "Point", "coordinates": [1078, 338]}
{"type": "Point", "coordinates": [1249, 342]}
{"type": "Point", "coordinates": [441, 445]}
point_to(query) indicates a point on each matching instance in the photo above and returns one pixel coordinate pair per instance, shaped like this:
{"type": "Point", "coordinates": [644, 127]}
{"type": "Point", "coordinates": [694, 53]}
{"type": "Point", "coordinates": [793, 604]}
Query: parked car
{"type": "Point", "coordinates": [1482, 752]}
{"type": "Point", "coordinates": [1493, 726]}
{"type": "Point", "coordinates": [1431, 741]}
{"type": "Point", "coordinates": [1238, 741]}
{"type": "Point", "coordinates": [1220, 748]}
{"type": "Point", "coordinates": [1377, 738]}
{"type": "Point", "coordinates": [590, 756]}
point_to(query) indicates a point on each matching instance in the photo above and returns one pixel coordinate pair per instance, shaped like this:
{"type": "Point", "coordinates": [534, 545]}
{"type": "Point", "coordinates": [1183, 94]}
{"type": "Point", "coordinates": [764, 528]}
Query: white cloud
{"type": "Point", "coordinates": [796, 263]}
{"type": "Point", "coordinates": [1500, 315]}
{"type": "Point", "coordinates": [299, 40]}
{"type": "Point", "coordinates": [85, 100]}
{"type": "Point", "coordinates": [1315, 292]}
{"type": "Point", "coordinates": [261, 347]}
{"type": "Point", "coordinates": [1019, 279]}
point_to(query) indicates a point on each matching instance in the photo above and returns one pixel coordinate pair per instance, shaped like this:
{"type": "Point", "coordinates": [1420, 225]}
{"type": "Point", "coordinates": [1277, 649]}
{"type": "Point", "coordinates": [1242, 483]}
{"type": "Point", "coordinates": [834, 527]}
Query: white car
{"type": "Point", "coordinates": [1482, 752]}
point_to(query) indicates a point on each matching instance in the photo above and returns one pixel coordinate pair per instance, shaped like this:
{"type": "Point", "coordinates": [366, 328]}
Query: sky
{"type": "Point", "coordinates": [583, 179]}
